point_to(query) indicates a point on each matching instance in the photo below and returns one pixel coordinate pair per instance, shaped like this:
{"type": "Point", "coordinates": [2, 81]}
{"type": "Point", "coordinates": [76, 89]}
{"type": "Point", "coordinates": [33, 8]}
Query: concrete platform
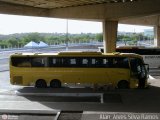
{"type": "Point", "coordinates": [25, 107]}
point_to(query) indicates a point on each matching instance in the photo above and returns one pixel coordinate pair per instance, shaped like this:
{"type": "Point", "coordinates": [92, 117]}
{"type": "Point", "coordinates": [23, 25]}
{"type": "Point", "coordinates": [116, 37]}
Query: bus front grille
{"type": "Point", "coordinates": [17, 80]}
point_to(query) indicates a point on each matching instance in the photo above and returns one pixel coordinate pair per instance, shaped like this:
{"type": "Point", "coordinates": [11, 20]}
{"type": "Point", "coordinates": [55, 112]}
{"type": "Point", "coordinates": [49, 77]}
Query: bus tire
{"type": "Point", "coordinates": [55, 84]}
{"type": "Point", "coordinates": [123, 84]}
{"type": "Point", "coordinates": [40, 83]}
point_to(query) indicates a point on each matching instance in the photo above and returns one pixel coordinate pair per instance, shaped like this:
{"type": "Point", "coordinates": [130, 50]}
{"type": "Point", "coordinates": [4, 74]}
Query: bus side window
{"type": "Point", "coordinates": [21, 62]}
{"type": "Point", "coordinates": [125, 63]}
{"type": "Point", "coordinates": [106, 62]}
{"type": "Point", "coordinates": [115, 63]}
{"type": "Point", "coordinates": [39, 62]}
{"type": "Point", "coordinates": [93, 62]}
{"type": "Point", "coordinates": [99, 62]}
{"type": "Point", "coordinates": [24, 64]}
{"type": "Point", "coordinates": [64, 62]}
{"type": "Point", "coordinates": [53, 62]}
{"type": "Point", "coordinates": [56, 62]}
{"type": "Point", "coordinates": [72, 62]}
{"type": "Point", "coordinates": [120, 63]}
{"type": "Point", "coordinates": [84, 62]}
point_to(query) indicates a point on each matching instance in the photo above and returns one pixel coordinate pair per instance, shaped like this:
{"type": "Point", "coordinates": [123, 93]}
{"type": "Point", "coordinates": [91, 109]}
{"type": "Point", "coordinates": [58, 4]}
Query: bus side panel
{"type": "Point", "coordinates": [20, 76]}
{"type": "Point", "coordinates": [118, 74]}
{"type": "Point", "coordinates": [73, 75]}
{"type": "Point", "coordinates": [96, 76]}
{"type": "Point", "coordinates": [66, 75]}
{"type": "Point", "coordinates": [105, 76]}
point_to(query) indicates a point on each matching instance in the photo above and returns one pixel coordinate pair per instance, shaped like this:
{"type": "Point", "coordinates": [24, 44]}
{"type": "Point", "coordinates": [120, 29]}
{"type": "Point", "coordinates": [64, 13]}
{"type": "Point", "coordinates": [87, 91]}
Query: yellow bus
{"type": "Point", "coordinates": [121, 70]}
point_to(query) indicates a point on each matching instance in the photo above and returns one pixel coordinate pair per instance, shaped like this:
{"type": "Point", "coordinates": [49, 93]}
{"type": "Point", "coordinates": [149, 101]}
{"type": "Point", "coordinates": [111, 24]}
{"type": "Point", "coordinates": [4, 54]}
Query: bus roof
{"type": "Point", "coordinates": [80, 53]}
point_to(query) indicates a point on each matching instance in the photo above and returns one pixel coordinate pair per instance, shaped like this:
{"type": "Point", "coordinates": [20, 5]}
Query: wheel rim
{"type": "Point", "coordinates": [55, 84]}
{"type": "Point", "coordinates": [123, 85]}
{"type": "Point", "coordinates": [41, 84]}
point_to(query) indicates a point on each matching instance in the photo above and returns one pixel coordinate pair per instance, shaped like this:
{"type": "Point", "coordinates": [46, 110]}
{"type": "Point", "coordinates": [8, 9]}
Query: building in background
{"type": "Point", "coordinates": [31, 45]}
{"type": "Point", "coordinates": [42, 44]}
{"type": "Point", "coordinates": [148, 32]}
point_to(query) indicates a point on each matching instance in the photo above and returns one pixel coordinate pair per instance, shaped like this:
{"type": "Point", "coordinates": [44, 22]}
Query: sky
{"type": "Point", "coordinates": [10, 24]}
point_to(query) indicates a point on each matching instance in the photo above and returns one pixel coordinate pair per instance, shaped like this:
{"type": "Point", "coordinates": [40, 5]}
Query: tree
{"type": "Point", "coordinates": [99, 37]}
{"type": "Point", "coordinates": [125, 39]}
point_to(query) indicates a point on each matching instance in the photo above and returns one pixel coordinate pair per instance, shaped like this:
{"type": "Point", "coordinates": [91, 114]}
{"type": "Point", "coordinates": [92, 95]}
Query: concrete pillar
{"type": "Point", "coordinates": [157, 36]}
{"type": "Point", "coordinates": [109, 35]}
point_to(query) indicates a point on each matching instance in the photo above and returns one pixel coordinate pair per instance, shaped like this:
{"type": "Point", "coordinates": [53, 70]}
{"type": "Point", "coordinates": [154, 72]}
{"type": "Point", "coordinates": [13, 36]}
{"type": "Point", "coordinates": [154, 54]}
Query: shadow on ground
{"type": "Point", "coordinates": [128, 100]}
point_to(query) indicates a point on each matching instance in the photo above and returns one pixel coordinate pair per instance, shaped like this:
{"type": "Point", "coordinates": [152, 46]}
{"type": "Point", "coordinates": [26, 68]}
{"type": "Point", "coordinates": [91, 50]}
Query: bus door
{"type": "Point", "coordinates": [138, 71]}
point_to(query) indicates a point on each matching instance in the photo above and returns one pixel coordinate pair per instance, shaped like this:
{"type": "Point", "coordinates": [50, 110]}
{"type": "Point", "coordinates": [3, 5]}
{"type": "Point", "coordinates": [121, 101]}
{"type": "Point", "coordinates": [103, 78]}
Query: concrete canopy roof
{"type": "Point", "coordinates": [98, 10]}
{"type": "Point", "coordinates": [81, 9]}
{"type": "Point", "coordinates": [50, 4]}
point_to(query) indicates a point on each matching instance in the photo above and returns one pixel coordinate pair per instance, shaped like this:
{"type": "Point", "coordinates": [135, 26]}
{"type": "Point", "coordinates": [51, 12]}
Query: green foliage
{"type": "Point", "coordinates": [19, 40]}
{"type": "Point", "coordinates": [133, 38]}
{"type": "Point", "coordinates": [99, 37]}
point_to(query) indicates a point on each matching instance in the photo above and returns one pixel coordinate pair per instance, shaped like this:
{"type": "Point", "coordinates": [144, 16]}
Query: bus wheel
{"type": "Point", "coordinates": [41, 83]}
{"type": "Point", "coordinates": [123, 84]}
{"type": "Point", "coordinates": [55, 84]}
